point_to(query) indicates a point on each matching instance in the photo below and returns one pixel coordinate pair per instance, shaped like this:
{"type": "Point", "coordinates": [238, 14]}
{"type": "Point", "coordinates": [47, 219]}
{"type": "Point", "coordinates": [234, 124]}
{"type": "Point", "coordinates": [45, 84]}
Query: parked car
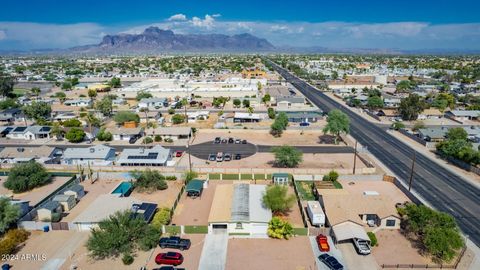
{"type": "Point", "coordinates": [304, 124]}
{"type": "Point", "coordinates": [133, 139]}
{"type": "Point", "coordinates": [219, 156]}
{"type": "Point", "coordinates": [238, 156]}
{"type": "Point", "coordinates": [238, 141]}
{"type": "Point", "coordinates": [224, 140]}
{"type": "Point", "coordinates": [244, 142]}
{"type": "Point", "coordinates": [168, 267]}
{"type": "Point", "coordinates": [170, 258]}
{"type": "Point", "coordinates": [217, 140]}
{"type": "Point", "coordinates": [227, 157]}
{"type": "Point", "coordinates": [362, 246]}
{"type": "Point", "coordinates": [322, 242]}
{"type": "Point", "coordinates": [178, 153]}
{"type": "Point", "coordinates": [174, 242]}
{"type": "Point", "coordinates": [212, 157]}
{"type": "Point", "coordinates": [231, 140]}
{"type": "Point", "coordinates": [330, 261]}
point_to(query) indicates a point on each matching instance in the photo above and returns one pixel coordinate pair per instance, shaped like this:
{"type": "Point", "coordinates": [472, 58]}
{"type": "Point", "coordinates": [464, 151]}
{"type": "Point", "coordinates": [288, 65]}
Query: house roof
{"type": "Point", "coordinates": [434, 112]}
{"type": "Point", "coordinates": [222, 203]}
{"type": "Point", "coordinates": [240, 205]}
{"type": "Point", "coordinates": [152, 100]}
{"type": "Point", "coordinates": [257, 210]}
{"type": "Point", "coordinates": [93, 152]}
{"type": "Point", "coordinates": [247, 115]}
{"type": "Point", "coordinates": [104, 206]}
{"type": "Point", "coordinates": [290, 99]}
{"type": "Point", "coordinates": [194, 185]}
{"type": "Point", "coordinates": [156, 154]}
{"type": "Point", "coordinates": [51, 205]}
{"type": "Point", "coordinates": [348, 230]}
{"type": "Point", "coordinates": [27, 152]}
{"type": "Point", "coordinates": [32, 129]}
{"type": "Point", "coordinates": [62, 197]}
{"type": "Point", "coordinates": [434, 133]}
{"type": "Point", "coordinates": [473, 113]}
{"type": "Point", "coordinates": [76, 188]}
{"type": "Point", "coordinates": [125, 131]}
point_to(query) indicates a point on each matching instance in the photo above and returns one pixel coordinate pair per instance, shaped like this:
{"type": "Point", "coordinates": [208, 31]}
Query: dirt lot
{"type": "Point", "coordinates": [37, 194]}
{"type": "Point", "coordinates": [405, 252]}
{"type": "Point", "coordinates": [262, 137]}
{"type": "Point", "coordinates": [191, 256]}
{"type": "Point", "coordinates": [293, 254]}
{"type": "Point", "coordinates": [195, 211]}
{"type": "Point", "coordinates": [164, 198]}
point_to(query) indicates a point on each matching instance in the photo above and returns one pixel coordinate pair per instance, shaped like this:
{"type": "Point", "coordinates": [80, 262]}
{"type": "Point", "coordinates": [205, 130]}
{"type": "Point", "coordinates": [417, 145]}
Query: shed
{"type": "Point", "coordinates": [45, 211]}
{"type": "Point", "coordinates": [280, 178]}
{"type": "Point", "coordinates": [77, 191]}
{"type": "Point", "coordinates": [66, 201]}
{"type": "Point", "coordinates": [194, 188]}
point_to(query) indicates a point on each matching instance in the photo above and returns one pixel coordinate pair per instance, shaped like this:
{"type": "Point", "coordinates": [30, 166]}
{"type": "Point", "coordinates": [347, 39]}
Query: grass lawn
{"type": "Point", "coordinates": [19, 91]}
{"type": "Point", "coordinates": [305, 190]}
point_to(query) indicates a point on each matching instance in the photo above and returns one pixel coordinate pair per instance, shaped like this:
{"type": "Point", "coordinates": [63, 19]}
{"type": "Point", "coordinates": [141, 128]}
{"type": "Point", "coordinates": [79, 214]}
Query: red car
{"type": "Point", "coordinates": [323, 243]}
{"type": "Point", "coordinates": [178, 153]}
{"type": "Point", "coordinates": [170, 258]}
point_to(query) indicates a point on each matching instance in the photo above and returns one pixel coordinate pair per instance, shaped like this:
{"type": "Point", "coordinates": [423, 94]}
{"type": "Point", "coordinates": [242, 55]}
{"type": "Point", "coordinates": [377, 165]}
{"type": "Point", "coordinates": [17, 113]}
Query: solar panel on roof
{"type": "Point", "coordinates": [45, 129]}
{"type": "Point", "coordinates": [20, 129]}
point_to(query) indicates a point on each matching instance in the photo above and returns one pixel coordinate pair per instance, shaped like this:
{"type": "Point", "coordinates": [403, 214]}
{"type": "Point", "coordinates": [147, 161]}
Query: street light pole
{"type": "Point", "coordinates": [411, 172]}
{"type": "Point", "coordinates": [355, 157]}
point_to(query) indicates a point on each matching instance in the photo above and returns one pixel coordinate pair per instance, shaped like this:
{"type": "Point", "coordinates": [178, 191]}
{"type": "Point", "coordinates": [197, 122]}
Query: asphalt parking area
{"type": "Point", "coordinates": [203, 150]}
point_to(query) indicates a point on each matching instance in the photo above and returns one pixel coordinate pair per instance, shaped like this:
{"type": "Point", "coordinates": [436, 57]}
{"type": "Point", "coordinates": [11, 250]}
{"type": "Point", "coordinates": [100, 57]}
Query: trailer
{"type": "Point", "coordinates": [315, 213]}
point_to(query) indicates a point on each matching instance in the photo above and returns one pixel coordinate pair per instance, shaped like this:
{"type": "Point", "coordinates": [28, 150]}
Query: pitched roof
{"type": "Point", "coordinates": [125, 131]}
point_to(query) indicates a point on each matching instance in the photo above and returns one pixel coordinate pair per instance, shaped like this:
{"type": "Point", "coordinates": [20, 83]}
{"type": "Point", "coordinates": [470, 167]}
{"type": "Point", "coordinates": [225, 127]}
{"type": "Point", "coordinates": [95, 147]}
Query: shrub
{"type": "Point", "coordinates": [162, 217]}
{"type": "Point", "coordinates": [150, 238]}
{"type": "Point", "coordinates": [127, 259]}
{"type": "Point", "coordinates": [104, 135]}
{"type": "Point", "coordinates": [72, 123]}
{"type": "Point", "coordinates": [168, 140]}
{"type": "Point", "coordinates": [279, 228]}
{"type": "Point", "coordinates": [149, 181]}
{"type": "Point", "coordinates": [19, 235]}
{"type": "Point", "coordinates": [27, 176]}
{"type": "Point", "coordinates": [373, 239]}
{"type": "Point", "coordinates": [147, 140]}
{"type": "Point", "coordinates": [126, 116]}
{"type": "Point", "coordinates": [331, 176]}
{"type": "Point", "coordinates": [75, 135]}
{"type": "Point", "coordinates": [11, 240]}
{"type": "Point", "coordinates": [171, 178]}
{"type": "Point", "coordinates": [158, 138]}
{"type": "Point", "coordinates": [178, 119]}
{"type": "Point", "coordinates": [7, 246]}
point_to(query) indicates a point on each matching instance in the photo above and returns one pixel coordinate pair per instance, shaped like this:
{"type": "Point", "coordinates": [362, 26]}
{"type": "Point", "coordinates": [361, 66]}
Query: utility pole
{"type": "Point", "coordinates": [411, 172]}
{"type": "Point", "coordinates": [355, 157]}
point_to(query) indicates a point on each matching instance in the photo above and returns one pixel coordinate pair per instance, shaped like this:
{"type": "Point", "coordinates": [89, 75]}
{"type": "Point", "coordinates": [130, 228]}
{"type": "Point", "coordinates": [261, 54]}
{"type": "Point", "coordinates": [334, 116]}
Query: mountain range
{"type": "Point", "coordinates": [156, 40]}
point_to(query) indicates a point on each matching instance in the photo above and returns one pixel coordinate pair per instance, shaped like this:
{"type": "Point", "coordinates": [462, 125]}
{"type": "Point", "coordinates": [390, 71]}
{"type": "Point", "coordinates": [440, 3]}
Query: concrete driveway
{"type": "Point", "coordinates": [333, 252]}
{"type": "Point", "coordinates": [355, 261]}
{"type": "Point", "coordinates": [214, 252]}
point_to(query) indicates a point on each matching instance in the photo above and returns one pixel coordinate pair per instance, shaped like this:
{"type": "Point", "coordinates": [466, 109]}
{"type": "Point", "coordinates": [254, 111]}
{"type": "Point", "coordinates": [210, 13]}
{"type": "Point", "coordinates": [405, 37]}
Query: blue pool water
{"type": "Point", "coordinates": [124, 189]}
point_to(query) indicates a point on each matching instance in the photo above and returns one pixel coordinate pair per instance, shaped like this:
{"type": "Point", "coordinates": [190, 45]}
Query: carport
{"type": "Point", "coordinates": [348, 230]}
{"type": "Point", "coordinates": [194, 188]}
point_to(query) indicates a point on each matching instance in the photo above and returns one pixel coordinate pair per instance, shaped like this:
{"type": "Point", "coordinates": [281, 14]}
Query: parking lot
{"type": "Point", "coordinates": [232, 147]}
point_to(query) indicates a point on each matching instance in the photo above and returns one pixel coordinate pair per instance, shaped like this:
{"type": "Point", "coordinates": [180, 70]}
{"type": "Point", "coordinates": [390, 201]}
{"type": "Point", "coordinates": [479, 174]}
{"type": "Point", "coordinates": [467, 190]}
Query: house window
{"type": "Point", "coordinates": [239, 226]}
{"type": "Point", "coordinates": [390, 222]}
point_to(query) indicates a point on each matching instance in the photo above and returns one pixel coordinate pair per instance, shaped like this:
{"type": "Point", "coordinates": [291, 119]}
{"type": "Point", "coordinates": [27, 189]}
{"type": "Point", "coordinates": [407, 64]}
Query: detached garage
{"type": "Point", "coordinates": [238, 209]}
{"type": "Point", "coordinates": [346, 231]}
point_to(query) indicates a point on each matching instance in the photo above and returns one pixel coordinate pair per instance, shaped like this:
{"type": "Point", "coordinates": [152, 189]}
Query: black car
{"type": "Point", "coordinates": [238, 157]}
{"type": "Point", "coordinates": [231, 140]}
{"type": "Point", "coordinates": [227, 157]}
{"type": "Point", "coordinates": [174, 242]}
{"type": "Point", "coordinates": [330, 261]}
{"type": "Point", "coordinates": [133, 139]}
{"type": "Point", "coordinates": [217, 140]}
{"type": "Point", "coordinates": [244, 142]}
{"type": "Point", "coordinates": [212, 157]}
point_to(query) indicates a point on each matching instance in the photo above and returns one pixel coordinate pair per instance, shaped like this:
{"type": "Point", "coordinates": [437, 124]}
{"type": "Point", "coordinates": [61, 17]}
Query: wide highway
{"type": "Point", "coordinates": [441, 188]}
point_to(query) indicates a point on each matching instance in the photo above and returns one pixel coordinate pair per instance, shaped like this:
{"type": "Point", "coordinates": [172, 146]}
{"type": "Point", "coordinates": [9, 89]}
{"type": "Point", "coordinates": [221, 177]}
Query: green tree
{"type": "Point", "coordinates": [92, 121]}
{"type": "Point", "coordinates": [271, 113]}
{"type": "Point", "coordinates": [237, 102]}
{"type": "Point", "coordinates": [39, 111]}
{"type": "Point", "coordinates": [375, 102]}
{"type": "Point", "coordinates": [418, 125]}
{"type": "Point", "coordinates": [410, 107]}
{"type": "Point", "coordinates": [279, 228]}
{"type": "Point", "coordinates": [331, 176]}
{"type": "Point", "coordinates": [277, 199]}
{"type": "Point", "coordinates": [178, 119]}
{"type": "Point", "coordinates": [287, 156]}
{"type": "Point", "coordinates": [115, 82]}
{"type": "Point", "coordinates": [27, 176]}
{"type": "Point", "coordinates": [149, 181]}
{"type": "Point", "coordinates": [143, 94]}
{"type": "Point", "coordinates": [61, 96]}
{"type": "Point", "coordinates": [105, 106]}
{"type": "Point", "coordinates": [337, 123]}
{"type": "Point", "coordinates": [279, 125]}
{"type": "Point", "coordinates": [266, 98]}
{"type": "Point", "coordinates": [126, 116]}
{"type": "Point", "coordinates": [457, 133]}
{"type": "Point", "coordinates": [57, 130]}
{"type": "Point", "coordinates": [6, 84]}
{"type": "Point", "coordinates": [121, 234]}
{"type": "Point", "coordinates": [67, 85]}
{"type": "Point", "coordinates": [104, 136]}
{"type": "Point", "coordinates": [75, 135]}
{"type": "Point", "coordinates": [92, 94]}
{"type": "Point", "coordinates": [246, 103]}
{"type": "Point", "coordinates": [72, 123]}
{"type": "Point", "coordinates": [9, 213]}
{"type": "Point", "coordinates": [8, 103]}
{"type": "Point", "coordinates": [35, 91]}
{"type": "Point", "coordinates": [404, 86]}
{"type": "Point", "coordinates": [398, 125]}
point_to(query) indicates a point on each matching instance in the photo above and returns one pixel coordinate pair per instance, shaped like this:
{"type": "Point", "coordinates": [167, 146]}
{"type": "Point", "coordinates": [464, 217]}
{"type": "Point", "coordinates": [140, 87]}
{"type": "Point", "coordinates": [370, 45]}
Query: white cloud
{"type": "Point", "coordinates": [208, 22]}
{"type": "Point", "coordinates": [177, 17]}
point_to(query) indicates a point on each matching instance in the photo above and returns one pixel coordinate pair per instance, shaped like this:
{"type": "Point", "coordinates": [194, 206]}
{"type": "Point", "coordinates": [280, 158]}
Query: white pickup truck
{"type": "Point", "coordinates": [361, 246]}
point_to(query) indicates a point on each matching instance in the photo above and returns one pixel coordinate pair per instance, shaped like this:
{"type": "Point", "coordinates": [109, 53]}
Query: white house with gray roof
{"type": "Point", "coordinates": [156, 156]}
{"type": "Point", "coordinates": [95, 155]}
{"type": "Point", "coordinates": [80, 102]}
{"type": "Point", "coordinates": [30, 133]}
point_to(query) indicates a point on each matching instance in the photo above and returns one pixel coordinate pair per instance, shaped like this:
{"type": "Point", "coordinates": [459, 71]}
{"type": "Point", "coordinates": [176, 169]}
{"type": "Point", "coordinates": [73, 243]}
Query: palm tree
{"type": "Point", "coordinates": [250, 110]}
{"type": "Point", "coordinates": [57, 130]}
{"type": "Point", "coordinates": [91, 121]}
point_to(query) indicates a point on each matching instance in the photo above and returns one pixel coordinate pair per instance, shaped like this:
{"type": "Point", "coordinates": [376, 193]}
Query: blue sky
{"type": "Point", "coordinates": [402, 24]}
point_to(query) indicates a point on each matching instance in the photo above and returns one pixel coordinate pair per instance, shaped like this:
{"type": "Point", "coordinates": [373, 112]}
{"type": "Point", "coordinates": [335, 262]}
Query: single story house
{"type": "Point", "coordinates": [101, 208]}
{"type": "Point", "coordinates": [155, 156]}
{"type": "Point", "coordinates": [4, 130]}
{"type": "Point", "coordinates": [198, 115]}
{"type": "Point", "coordinates": [240, 117]}
{"type": "Point", "coordinates": [66, 201]}
{"type": "Point", "coordinates": [389, 113]}
{"type": "Point", "coordinates": [119, 101]}
{"type": "Point", "coordinates": [30, 132]}
{"type": "Point", "coordinates": [63, 116]}
{"type": "Point", "coordinates": [461, 115]}
{"type": "Point", "coordinates": [304, 116]}
{"type": "Point", "coordinates": [81, 102]}
{"type": "Point", "coordinates": [238, 208]}
{"type": "Point", "coordinates": [153, 103]}
{"type": "Point", "coordinates": [77, 191]}
{"type": "Point", "coordinates": [287, 102]}
{"type": "Point", "coordinates": [11, 115]}
{"type": "Point", "coordinates": [174, 133]}
{"type": "Point", "coordinates": [433, 134]}
{"type": "Point", "coordinates": [125, 134]}
{"type": "Point", "coordinates": [46, 211]}
{"type": "Point", "coordinates": [43, 154]}
{"type": "Point", "coordinates": [94, 155]}
{"type": "Point", "coordinates": [430, 114]}
{"type": "Point", "coordinates": [391, 102]}
{"type": "Point", "coordinates": [151, 116]}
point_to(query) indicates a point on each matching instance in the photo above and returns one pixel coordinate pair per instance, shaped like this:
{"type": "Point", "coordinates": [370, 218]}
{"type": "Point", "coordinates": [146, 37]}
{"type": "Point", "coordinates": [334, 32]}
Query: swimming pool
{"type": "Point", "coordinates": [124, 189]}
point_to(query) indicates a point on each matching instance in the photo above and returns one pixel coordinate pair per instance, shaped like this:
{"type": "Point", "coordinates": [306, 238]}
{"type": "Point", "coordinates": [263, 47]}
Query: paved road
{"type": "Point", "coordinates": [441, 188]}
